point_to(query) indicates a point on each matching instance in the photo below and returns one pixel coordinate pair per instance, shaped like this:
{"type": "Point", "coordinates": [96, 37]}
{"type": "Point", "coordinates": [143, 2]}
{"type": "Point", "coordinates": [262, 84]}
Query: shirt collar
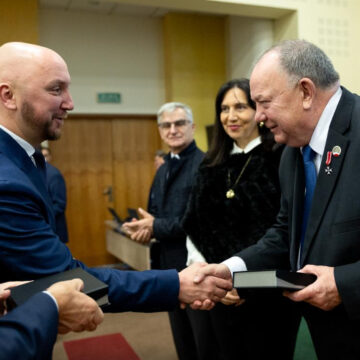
{"type": "Point", "coordinates": [174, 156]}
{"type": "Point", "coordinates": [30, 150]}
{"type": "Point", "coordinates": [320, 134]}
{"type": "Point", "coordinates": [250, 146]}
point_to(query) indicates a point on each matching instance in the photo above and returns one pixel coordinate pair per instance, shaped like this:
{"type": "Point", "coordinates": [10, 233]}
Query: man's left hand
{"type": "Point", "coordinates": [323, 293]}
{"type": "Point", "coordinates": [140, 230]}
{"type": "Point", "coordinates": [5, 293]}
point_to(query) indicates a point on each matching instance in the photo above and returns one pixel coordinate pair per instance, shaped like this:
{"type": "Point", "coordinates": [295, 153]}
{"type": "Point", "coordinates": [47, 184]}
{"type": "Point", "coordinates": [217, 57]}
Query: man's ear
{"type": "Point", "coordinates": [7, 97]}
{"type": "Point", "coordinates": [307, 88]}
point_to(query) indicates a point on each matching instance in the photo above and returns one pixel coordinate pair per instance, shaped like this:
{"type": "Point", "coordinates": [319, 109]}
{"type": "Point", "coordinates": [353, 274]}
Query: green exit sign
{"type": "Point", "coordinates": [109, 98]}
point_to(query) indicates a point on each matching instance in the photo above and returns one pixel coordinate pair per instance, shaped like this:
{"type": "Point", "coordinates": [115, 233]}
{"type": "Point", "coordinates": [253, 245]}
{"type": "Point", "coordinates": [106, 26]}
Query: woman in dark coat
{"type": "Point", "coordinates": [236, 197]}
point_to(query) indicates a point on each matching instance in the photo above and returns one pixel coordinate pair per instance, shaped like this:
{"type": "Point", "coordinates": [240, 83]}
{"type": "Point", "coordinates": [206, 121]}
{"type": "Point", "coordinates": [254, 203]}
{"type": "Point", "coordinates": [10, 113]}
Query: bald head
{"type": "Point", "coordinates": [18, 60]}
{"type": "Point", "coordinates": [34, 91]}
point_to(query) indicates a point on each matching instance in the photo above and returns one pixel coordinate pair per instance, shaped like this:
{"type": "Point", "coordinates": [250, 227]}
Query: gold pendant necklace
{"type": "Point", "coordinates": [231, 193]}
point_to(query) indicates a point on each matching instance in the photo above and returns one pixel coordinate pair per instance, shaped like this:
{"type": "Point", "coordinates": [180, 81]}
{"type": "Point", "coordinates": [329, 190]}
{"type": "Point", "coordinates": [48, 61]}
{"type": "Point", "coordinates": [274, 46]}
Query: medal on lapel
{"type": "Point", "coordinates": [328, 169]}
{"type": "Point", "coordinates": [336, 151]}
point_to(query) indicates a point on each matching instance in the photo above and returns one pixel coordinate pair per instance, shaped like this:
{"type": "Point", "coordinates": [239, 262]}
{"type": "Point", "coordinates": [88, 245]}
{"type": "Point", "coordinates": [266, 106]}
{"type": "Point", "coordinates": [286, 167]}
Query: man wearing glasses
{"type": "Point", "coordinates": [168, 199]}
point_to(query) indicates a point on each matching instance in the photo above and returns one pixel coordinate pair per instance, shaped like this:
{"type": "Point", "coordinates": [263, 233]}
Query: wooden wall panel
{"type": "Point", "coordinates": [93, 153]}
{"type": "Point", "coordinates": [84, 156]}
{"type": "Point", "coordinates": [19, 21]}
{"type": "Point", "coordinates": [134, 144]}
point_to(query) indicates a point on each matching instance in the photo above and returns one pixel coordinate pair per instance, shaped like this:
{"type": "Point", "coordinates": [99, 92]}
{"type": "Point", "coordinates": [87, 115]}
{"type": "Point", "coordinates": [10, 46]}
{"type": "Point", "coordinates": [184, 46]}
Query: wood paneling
{"type": "Point", "coordinates": [93, 154]}
{"type": "Point", "coordinates": [195, 66]}
{"type": "Point", "coordinates": [19, 21]}
{"type": "Point", "coordinates": [134, 144]}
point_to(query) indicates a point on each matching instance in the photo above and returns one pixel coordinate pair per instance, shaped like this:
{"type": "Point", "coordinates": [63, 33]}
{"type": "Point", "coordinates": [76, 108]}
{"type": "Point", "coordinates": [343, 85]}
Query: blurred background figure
{"type": "Point", "coordinates": [235, 198]}
{"type": "Point", "coordinates": [159, 158]}
{"type": "Point", "coordinates": [167, 204]}
{"type": "Point", "coordinates": [57, 190]}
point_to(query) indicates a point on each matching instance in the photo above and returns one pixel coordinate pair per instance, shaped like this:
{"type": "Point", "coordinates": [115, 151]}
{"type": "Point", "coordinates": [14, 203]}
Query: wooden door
{"type": "Point", "coordinates": [134, 144]}
{"type": "Point", "coordinates": [95, 153]}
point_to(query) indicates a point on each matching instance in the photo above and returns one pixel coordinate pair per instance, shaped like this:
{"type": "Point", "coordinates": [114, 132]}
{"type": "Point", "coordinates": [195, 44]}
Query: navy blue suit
{"type": "Point", "coordinates": [30, 248]}
{"type": "Point", "coordinates": [29, 331]}
{"type": "Point", "coordinates": [57, 191]}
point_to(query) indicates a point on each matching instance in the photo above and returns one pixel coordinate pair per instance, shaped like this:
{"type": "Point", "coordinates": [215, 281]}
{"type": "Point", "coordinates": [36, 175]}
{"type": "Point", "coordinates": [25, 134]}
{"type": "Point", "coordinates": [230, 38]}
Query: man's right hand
{"type": "Point", "coordinates": [208, 288]}
{"type": "Point", "coordinates": [77, 311]}
{"type": "Point", "coordinates": [217, 270]}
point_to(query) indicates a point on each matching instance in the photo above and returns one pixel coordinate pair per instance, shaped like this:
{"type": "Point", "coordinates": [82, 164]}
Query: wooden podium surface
{"type": "Point", "coordinates": [129, 251]}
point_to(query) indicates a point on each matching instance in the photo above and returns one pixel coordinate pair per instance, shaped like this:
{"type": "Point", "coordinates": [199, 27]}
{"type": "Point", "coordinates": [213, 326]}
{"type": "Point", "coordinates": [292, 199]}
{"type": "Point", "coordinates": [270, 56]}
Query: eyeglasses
{"type": "Point", "coordinates": [177, 123]}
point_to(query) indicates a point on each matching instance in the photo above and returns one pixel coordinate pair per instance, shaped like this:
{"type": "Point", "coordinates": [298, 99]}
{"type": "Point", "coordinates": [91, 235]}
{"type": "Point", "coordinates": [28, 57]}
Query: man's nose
{"type": "Point", "coordinates": [68, 103]}
{"type": "Point", "coordinates": [260, 116]}
{"type": "Point", "coordinates": [173, 128]}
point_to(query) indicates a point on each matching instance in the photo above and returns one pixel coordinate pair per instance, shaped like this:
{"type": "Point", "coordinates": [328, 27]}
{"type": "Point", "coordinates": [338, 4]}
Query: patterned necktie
{"type": "Point", "coordinates": [310, 182]}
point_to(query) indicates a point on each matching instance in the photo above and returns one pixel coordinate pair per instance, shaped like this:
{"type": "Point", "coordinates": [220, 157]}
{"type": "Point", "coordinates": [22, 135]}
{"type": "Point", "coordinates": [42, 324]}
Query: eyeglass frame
{"type": "Point", "coordinates": [166, 125]}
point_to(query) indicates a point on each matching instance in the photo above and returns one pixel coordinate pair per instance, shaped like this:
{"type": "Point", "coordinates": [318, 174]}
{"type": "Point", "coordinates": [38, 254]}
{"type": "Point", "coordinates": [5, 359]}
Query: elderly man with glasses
{"type": "Point", "coordinates": [167, 204]}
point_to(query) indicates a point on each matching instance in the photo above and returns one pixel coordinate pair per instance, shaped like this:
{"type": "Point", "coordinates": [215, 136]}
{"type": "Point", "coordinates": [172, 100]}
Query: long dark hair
{"type": "Point", "coordinates": [222, 143]}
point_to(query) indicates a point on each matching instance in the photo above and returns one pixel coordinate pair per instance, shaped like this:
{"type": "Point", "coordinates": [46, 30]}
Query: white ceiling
{"type": "Point", "coordinates": [159, 8]}
{"type": "Point", "coordinates": [104, 7]}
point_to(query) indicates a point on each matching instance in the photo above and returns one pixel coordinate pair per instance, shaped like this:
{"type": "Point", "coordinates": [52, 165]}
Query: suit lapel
{"type": "Point", "coordinates": [15, 153]}
{"type": "Point", "coordinates": [326, 182]}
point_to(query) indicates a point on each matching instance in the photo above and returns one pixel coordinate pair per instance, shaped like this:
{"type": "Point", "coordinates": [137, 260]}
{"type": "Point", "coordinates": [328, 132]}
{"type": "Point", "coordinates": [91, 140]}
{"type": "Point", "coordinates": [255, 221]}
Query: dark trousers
{"type": "Point", "coordinates": [186, 323]}
{"type": "Point", "coordinates": [261, 329]}
{"type": "Point", "coordinates": [334, 335]}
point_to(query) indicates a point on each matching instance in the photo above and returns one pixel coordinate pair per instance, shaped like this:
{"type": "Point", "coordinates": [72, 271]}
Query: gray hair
{"type": "Point", "coordinates": [172, 106]}
{"type": "Point", "coordinates": [300, 58]}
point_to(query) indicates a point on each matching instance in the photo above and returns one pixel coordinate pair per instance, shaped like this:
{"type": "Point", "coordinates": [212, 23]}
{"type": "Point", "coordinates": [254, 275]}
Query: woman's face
{"type": "Point", "coordinates": [238, 118]}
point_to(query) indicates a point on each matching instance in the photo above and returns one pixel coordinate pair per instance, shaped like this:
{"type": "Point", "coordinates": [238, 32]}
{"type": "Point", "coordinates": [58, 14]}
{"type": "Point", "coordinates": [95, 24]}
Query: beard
{"type": "Point", "coordinates": [44, 129]}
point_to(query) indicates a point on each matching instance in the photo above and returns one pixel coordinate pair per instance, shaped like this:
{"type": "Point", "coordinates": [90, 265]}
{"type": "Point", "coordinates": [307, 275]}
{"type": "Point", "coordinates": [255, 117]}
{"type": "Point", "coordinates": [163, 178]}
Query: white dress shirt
{"type": "Point", "coordinates": [30, 150]}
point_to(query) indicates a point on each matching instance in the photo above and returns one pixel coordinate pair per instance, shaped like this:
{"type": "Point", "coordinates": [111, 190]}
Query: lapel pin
{"type": "Point", "coordinates": [336, 151]}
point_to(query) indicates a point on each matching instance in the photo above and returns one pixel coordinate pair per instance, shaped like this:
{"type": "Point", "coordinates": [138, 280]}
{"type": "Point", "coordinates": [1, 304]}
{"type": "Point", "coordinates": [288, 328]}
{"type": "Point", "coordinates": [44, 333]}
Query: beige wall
{"type": "Point", "coordinates": [333, 25]}
{"type": "Point", "coordinates": [247, 38]}
{"type": "Point", "coordinates": [108, 53]}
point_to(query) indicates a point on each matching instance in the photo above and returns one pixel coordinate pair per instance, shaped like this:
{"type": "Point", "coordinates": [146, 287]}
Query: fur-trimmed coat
{"type": "Point", "coordinates": [220, 227]}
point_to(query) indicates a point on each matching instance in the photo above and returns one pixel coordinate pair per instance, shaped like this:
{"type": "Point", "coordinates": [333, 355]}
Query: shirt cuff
{"type": "Point", "coordinates": [235, 263]}
{"type": "Point", "coordinates": [47, 292]}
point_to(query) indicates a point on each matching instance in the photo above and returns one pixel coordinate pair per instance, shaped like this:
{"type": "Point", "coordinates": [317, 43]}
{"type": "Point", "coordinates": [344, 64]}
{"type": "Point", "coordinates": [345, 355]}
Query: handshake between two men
{"type": "Point", "coordinates": [202, 285]}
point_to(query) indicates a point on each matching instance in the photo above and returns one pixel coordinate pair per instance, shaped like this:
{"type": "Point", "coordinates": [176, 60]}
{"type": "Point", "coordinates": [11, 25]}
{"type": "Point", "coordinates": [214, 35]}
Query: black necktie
{"type": "Point", "coordinates": [310, 182]}
{"type": "Point", "coordinates": [40, 163]}
{"type": "Point", "coordinates": [173, 163]}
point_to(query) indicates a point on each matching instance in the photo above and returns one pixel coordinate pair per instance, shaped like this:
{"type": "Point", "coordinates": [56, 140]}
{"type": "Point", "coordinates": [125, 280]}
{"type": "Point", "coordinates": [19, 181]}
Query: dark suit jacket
{"type": "Point", "coordinates": [29, 331]}
{"type": "Point", "coordinates": [57, 190]}
{"type": "Point", "coordinates": [29, 247]}
{"type": "Point", "coordinates": [168, 200]}
{"type": "Point", "coordinates": [333, 232]}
